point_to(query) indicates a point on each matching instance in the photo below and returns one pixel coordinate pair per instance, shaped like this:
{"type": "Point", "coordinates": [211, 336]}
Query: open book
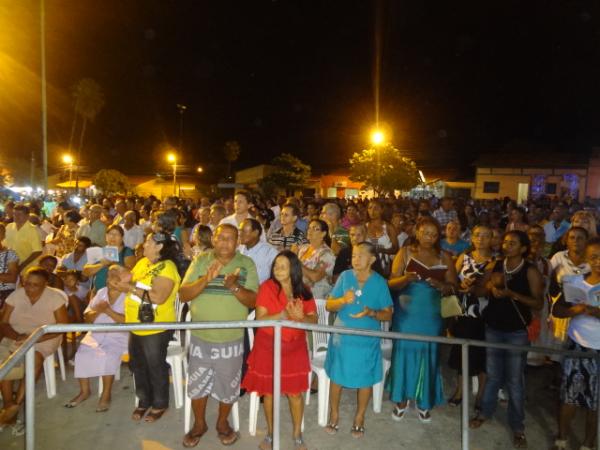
{"type": "Point", "coordinates": [96, 254]}
{"type": "Point", "coordinates": [437, 272]}
{"type": "Point", "coordinates": [576, 290]}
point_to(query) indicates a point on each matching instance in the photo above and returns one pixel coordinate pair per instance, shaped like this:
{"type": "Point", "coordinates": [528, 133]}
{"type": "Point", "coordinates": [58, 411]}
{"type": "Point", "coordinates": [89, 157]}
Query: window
{"type": "Point", "coordinates": [491, 187]}
{"type": "Point", "coordinates": [551, 188]}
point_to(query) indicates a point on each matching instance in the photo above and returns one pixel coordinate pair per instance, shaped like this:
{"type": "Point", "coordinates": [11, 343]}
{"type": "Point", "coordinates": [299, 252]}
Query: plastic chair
{"type": "Point", "coordinates": [386, 360]}
{"type": "Point", "coordinates": [117, 378]}
{"type": "Point", "coordinates": [235, 412]}
{"type": "Point", "coordinates": [317, 363]}
{"type": "Point", "coordinates": [50, 375]}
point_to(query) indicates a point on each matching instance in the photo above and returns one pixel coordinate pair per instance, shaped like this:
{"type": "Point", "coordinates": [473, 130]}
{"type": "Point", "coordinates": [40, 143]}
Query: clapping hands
{"type": "Point", "coordinates": [366, 312]}
{"type": "Point", "coordinates": [213, 270]}
{"type": "Point", "coordinates": [295, 310]}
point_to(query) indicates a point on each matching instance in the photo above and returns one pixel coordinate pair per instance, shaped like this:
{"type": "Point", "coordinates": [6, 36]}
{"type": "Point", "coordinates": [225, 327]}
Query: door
{"type": "Point", "coordinates": [522, 193]}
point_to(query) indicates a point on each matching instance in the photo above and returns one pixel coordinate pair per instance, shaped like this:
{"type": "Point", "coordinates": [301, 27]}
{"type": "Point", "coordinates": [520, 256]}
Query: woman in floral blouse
{"type": "Point", "coordinates": [317, 259]}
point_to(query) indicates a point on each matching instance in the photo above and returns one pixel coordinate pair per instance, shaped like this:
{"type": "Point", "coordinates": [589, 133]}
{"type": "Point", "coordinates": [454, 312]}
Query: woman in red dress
{"type": "Point", "coordinates": [282, 297]}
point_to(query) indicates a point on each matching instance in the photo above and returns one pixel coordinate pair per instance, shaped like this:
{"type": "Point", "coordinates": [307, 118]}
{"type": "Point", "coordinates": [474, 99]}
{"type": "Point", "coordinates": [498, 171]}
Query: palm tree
{"type": "Point", "coordinates": [89, 101]}
{"type": "Point", "coordinates": [232, 153]}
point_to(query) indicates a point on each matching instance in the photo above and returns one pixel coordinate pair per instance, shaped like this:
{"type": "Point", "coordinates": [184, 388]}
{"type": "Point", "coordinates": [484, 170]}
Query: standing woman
{"type": "Point", "coordinates": [9, 268]}
{"type": "Point", "coordinates": [415, 373]}
{"type": "Point", "coordinates": [361, 299]}
{"type": "Point", "coordinates": [471, 267]}
{"type": "Point", "coordinates": [114, 238]}
{"type": "Point", "coordinates": [157, 274]}
{"type": "Point", "coordinates": [516, 288]}
{"type": "Point", "coordinates": [381, 234]}
{"type": "Point", "coordinates": [283, 296]}
{"type": "Point", "coordinates": [65, 237]}
{"type": "Point", "coordinates": [317, 259]}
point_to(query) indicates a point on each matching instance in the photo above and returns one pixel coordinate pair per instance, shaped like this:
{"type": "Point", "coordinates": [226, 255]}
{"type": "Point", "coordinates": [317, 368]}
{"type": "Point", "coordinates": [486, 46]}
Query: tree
{"type": "Point", "coordinates": [289, 173]}
{"type": "Point", "coordinates": [89, 101]}
{"type": "Point", "coordinates": [395, 171]}
{"type": "Point", "coordinates": [232, 153]}
{"type": "Point", "coordinates": [110, 181]}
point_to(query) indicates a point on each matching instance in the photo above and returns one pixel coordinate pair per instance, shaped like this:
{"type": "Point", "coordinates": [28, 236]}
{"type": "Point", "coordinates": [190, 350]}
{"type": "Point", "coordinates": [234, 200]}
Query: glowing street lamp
{"type": "Point", "coordinates": [199, 170]}
{"type": "Point", "coordinates": [377, 137]}
{"type": "Point", "coordinates": [172, 158]}
{"type": "Point", "coordinates": [68, 160]}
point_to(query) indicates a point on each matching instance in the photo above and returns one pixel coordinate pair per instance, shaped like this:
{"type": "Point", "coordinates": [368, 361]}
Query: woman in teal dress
{"type": "Point", "coordinates": [361, 299]}
{"type": "Point", "coordinates": [422, 274]}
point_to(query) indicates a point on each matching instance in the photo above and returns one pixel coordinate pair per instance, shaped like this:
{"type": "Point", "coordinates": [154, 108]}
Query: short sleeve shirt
{"type": "Point", "coordinates": [6, 257]}
{"type": "Point", "coordinates": [272, 298]}
{"type": "Point", "coordinates": [26, 317]}
{"type": "Point", "coordinates": [144, 272]}
{"type": "Point", "coordinates": [24, 241]}
{"type": "Point", "coordinates": [216, 302]}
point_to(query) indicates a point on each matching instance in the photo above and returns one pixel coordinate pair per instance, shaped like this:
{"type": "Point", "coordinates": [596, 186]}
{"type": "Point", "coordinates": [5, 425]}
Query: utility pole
{"type": "Point", "coordinates": [44, 102]}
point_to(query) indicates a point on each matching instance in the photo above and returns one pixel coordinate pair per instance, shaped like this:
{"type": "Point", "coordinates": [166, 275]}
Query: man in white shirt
{"type": "Point", "coordinates": [134, 234]}
{"type": "Point", "coordinates": [241, 207]}
{"type": "Point", "coordinates": [557, 225]}
{"type": "Point", "coordinates": [262, 253]}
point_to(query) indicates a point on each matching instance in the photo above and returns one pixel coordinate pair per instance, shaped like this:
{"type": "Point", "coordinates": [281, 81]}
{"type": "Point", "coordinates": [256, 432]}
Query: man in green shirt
{"type": "Point", "coordinates": [94, 228]}
{"type": "Point", "coordinates": [221, 286]}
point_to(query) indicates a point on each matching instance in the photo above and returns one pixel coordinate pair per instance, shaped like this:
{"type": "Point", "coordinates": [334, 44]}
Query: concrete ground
{"type": "Point", "coordinates": [73, 429]}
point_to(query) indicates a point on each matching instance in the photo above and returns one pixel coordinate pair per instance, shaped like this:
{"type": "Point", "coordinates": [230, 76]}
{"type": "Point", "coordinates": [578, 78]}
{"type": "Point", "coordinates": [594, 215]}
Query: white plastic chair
{"type": "Point", "coordinates": [235, 412]}
{"type": "Point", "coordinates": [317, 364]}
{"type": "Point", "coordinates": [50, 371]}
{"type": "Point", "coordinates": [117, 378]}
{"type": "Point", "coordinates": [386, 360]}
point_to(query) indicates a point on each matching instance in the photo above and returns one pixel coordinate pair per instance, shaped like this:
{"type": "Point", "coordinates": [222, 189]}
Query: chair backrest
{"type": "Point", "coordinates": [250, 331]}
{"type": "Point", "coordinates": [188, 333]}
{"type": "Point", "coordinates": [320, 339]}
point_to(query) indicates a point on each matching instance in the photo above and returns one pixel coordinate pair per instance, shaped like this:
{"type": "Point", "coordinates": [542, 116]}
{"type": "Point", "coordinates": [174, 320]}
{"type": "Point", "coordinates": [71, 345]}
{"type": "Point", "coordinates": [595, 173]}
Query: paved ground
{"type": "Point", "coordinates": [61, 428]}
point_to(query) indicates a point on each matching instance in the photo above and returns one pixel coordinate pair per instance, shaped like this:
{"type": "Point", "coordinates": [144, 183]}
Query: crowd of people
{"type": "Point", "coordinates": [487, 270]}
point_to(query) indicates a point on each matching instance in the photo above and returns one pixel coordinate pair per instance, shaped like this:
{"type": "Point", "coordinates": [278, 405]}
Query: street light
{"type": "Point", "coordinates": [68, 159]}
{"type": "Point", "coordinates": [377, 139]}
{"type": "Point", "coordinates": [199, 170]}
{"type": "Point", "coordinates": [172, 158]}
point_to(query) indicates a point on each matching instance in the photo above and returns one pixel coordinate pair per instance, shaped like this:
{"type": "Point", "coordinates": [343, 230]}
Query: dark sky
{"type": "Point", "coordinates": [458, 78]}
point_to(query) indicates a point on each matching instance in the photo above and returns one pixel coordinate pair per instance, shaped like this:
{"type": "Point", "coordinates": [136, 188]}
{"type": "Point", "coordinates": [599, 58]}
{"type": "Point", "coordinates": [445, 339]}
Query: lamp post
{"type": "Point", "coordinates": [172, 158]}
{"type": "Point", "coordinates": [377, 139]}
{"type": "Point", "coordinates": [68, 160]}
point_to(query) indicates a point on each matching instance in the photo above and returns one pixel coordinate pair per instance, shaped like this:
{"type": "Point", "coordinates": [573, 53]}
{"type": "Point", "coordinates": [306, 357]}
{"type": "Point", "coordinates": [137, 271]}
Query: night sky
{"type": "Point", "coordinates": [457, 78]}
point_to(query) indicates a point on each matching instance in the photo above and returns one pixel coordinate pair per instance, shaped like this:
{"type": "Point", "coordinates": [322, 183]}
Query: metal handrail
{"type": "Point", "coordinates": [27, 350]}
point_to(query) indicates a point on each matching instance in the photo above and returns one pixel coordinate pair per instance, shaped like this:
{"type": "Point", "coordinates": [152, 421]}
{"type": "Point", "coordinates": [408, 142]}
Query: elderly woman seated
{"type": "Point", "coordinates": [99, 354]}
{"type": "Point", "coordinates": [27, 308]}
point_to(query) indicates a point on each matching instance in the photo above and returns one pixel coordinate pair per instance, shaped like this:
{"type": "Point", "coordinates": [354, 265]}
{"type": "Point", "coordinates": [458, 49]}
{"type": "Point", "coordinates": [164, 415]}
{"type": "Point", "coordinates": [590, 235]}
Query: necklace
{"type": "Point", "coordinates": [516, 269]}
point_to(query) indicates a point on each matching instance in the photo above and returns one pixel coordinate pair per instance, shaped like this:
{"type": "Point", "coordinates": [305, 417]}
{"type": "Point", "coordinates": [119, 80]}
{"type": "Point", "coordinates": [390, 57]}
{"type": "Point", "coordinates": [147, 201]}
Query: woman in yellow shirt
{"type": "Point", "coordinates": [156, 274]}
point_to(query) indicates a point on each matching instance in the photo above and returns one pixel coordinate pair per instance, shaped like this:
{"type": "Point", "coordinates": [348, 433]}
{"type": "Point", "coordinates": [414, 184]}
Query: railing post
{"type": "Point", "coordinates": [276, 385]}
{"type": "Point", "coordinates": [465, 396]}
{"type": "Point", "coordinates": [598, 402]}
{"type": "Point", "coordinates": [30, 399]}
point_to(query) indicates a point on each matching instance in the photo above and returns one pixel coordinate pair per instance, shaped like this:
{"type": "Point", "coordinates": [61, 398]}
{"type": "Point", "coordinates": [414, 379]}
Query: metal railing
{"type": "Point", "coordinates": [27, 350]}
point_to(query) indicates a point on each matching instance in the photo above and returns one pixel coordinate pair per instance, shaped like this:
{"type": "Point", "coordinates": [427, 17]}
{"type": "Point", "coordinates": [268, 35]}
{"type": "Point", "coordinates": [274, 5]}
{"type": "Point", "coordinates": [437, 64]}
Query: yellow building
{"type": "Point", "coordinates": [522, 176]}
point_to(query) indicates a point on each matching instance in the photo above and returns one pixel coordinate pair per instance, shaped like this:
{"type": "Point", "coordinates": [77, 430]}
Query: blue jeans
{"type": "Point", "coordinates": [506, 369]}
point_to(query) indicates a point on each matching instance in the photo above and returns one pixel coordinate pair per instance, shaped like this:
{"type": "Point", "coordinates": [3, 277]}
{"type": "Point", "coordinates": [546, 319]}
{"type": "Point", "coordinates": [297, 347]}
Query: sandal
{"type": "Point", "coordinates": [455, 401]}
{"type": "Point", "coordinates": [138, 414]}
{"type": "Point", "coordinates": [154, 415]}
{"type": "Point", "coordinates": [192, 439]}
{"type": "Point", "coordinates": [476, 421]}
{"type": "Point", "coordinates": [332, 428]}
{"type": "Point", "coordinates": [357, 432]}
{"type": "Point", "coordinates": [560, 444]}
{"type": "Point", "coordinates": [267, 443]}
{"type": "Point", "coordinates": [299, 443]}
{"type": "Point", "coordinates": [424, 415]}
{"type": "Point", "coordinates": [102, 407]}
{"type": "Point", "coordinates": [519, 440]}
{"type": "Point", "coordinates": [229, 438]}
{"type": "Point", "coordinates": [398, 413]}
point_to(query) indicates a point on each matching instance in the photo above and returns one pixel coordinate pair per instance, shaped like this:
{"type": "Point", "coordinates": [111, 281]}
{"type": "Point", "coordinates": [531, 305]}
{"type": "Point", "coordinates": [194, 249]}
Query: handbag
{"type": "Point", "coordinates": [450, 306]}
{"type": "Point", "coordinates": [146, 309]}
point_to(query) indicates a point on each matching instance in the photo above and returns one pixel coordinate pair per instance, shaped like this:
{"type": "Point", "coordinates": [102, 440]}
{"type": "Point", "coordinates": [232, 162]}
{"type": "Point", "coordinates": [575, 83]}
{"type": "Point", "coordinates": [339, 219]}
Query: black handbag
{"type": "Point", "coordinates": [146, 309]}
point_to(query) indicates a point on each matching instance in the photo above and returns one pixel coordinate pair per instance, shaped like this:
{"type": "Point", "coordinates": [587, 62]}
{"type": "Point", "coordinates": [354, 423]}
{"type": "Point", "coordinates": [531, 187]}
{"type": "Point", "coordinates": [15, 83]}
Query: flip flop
{"type": "Point", "coordinates": [519, 440]}
{"type": "Point", "coordinates": [102, 408]}
{"type": "Point", "coordinates": [192, 439]}
{"type": "Point", "coordinates": [477, 421]}
{"type": "Point", "coordinates": [398, 413]}
{"type": "Point", "coordinates": [154, 415]}
{"type": "Point", "coordinates": [332, 428]}
{"type": "Point", "coordinates": [357, 432]}
{"type": "Point", "coordinates": [138, 414]}
{"type": "Point", "coordinates": [228, 439]}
